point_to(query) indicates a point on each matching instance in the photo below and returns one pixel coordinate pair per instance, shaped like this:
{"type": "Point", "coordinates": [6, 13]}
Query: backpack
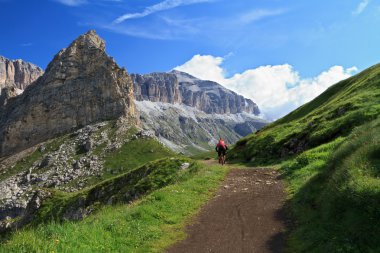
{"type": "Point", "coordinates": [221, 145]}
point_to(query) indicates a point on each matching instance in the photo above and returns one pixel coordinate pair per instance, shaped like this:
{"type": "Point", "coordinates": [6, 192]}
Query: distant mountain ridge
{"type": "Point", "coordinates": [82, 85]}
{"type": "Point", "coordinates": [17, 73]}
{"type": "Point", "coordinates": [178, 87]}
{"type": "Point", "coordinates": [189, 130]}
{"type": "Point", "coordinates": [63, 130]}
{"type": "Point", "coordinates": [188, 114]}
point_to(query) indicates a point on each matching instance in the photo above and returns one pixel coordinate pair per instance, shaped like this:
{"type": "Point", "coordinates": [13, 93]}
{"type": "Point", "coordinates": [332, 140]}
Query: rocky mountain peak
{"type": "Point", "coordinates": [183, 76]}
{"type": "Point", "coordinates": [88, 41]}
{"type": "Point", "coordinates": [80, 57]}
{"type": "Point", "coordinates": [92, 39]}
{"type": "Point", "coordinates": [82, 85]}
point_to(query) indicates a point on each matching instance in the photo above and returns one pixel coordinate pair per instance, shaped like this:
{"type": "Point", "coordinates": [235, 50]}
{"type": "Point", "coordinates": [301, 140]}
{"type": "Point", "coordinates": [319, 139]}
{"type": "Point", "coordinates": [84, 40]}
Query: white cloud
{"type": "Point", "coordinates": [361, 7]}
{"type": "Point", "coordinates": [72, 2]}
{"type": "Point", "coordinates": [171, 27]}
{"type": "Point", "coordinates": [276, 89]}
{"type": "Point", "coordinates": [165, 5]}
{"type": "Point", "coordinates": [206, 67]}
{"type": "Point", "coordinates": [258, 14]}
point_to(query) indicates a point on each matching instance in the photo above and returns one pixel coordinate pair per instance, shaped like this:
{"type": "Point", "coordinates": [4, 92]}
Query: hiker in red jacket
{"type": "Point", "coordinates": [221, 148]}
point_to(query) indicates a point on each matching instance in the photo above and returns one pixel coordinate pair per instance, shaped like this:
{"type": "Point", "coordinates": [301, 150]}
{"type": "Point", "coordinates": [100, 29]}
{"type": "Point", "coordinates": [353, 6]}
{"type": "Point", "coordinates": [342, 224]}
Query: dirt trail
{"type": "Point", "coordinates": [244, 216]}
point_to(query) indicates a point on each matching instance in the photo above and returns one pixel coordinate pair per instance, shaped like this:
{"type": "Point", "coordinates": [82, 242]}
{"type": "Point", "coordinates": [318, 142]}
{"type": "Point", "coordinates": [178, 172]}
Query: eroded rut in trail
{"type": "Point", "coordinates": [246, 215]}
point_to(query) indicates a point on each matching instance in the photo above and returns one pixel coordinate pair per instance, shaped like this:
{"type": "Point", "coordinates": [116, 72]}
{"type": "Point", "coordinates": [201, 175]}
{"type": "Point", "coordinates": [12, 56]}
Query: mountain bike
{"type": "Point", "coordinates": [222, 159]}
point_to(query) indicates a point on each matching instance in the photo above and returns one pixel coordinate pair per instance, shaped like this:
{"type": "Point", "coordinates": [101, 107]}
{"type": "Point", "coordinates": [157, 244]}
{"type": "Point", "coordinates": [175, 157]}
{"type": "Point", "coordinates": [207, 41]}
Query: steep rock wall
{"type": "Point", "coordinates": [82, 85]}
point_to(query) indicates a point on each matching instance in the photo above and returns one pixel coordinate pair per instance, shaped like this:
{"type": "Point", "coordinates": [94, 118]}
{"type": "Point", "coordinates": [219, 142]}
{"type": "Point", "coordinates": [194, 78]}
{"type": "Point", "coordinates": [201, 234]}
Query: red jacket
{"type": "Point", "coordinates": [222, 145]}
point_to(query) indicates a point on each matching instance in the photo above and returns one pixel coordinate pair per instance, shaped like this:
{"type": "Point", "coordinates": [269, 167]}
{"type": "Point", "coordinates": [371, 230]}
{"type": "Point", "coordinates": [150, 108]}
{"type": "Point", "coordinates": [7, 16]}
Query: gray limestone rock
{"type": "Point", "coordinates": [157, 87]}
{"type": "Point", "coordinates": [181, 88]}
{"type": "Point", "coordinates": [17, 73]}
{"type": "Point", "coordinates": [185, 129]}
{"type": "Point", "coordinates": [81, 86]}
{"type": "Point", "coordinates": [88, 145]}
{"type": "Point", "coordinates": [47, 161]}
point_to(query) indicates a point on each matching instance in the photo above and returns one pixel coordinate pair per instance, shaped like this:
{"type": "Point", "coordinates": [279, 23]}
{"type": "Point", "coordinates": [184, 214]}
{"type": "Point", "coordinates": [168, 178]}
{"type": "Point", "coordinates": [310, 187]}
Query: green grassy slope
{"type": "Point", "coordinates": [119, 189]}
{"type": "Point", "coordinates": [334, 113]}
{"type": "Point", "coordinates": [334, 194]}
{"type": "Point", "coordinates": [148, 225]}
{"type": "Point", "coordinates": [139, 204]}
{"type": "Point", "coordinates": [329, 151]}
{"type": "Point", "coordinates": [131, 155]}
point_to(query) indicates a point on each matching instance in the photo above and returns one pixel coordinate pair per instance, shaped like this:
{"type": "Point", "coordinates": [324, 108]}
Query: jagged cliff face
{"type": "Point", "coordinates": [188, 130]}
{"type": "Point", "coordinates": [82, 85]}
{"type": "Point", "coordinates": [157, 87]}
{"type": "Point", "coordinates": [179, 87]}
{"type": "Point", "coordinates": [17, 73]}
{"type": "Point", "coordinates": [188, 114]}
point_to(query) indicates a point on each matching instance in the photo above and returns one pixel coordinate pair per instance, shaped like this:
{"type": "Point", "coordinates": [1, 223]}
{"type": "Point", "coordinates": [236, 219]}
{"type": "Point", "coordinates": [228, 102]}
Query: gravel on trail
{"type": "Point", "coordinates": [245, 215]}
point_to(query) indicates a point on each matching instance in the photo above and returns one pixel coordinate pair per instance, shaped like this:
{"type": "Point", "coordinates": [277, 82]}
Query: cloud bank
{"type": "Point", "coordinates": [277, 89]}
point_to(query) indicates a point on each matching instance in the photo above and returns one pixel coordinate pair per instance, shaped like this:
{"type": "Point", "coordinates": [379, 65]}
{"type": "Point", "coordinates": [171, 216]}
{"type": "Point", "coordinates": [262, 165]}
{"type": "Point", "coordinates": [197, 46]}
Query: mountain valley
{"type": "Point", "coordinates": [94, 159]}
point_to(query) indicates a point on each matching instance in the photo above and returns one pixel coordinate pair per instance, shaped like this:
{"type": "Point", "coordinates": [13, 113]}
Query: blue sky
{"type": "Point", "coordinates": [300, 40]}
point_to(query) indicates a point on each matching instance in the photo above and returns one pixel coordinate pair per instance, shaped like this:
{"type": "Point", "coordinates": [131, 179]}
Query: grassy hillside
{"type": "Point", "coordinates": [334, 113]}
{"type": "Point", "coordinates": [329, 151]}
{"type": "Point", "coordinates": [132, 206]}
{"type": "Point", "coordinates": [129, 156]}
{"type": "Point", "coordinates": [334, 194]}
{"type": "Point", "coordinates": [122, 188]}
{"type": "Point", "coordinates": [147, 225]}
